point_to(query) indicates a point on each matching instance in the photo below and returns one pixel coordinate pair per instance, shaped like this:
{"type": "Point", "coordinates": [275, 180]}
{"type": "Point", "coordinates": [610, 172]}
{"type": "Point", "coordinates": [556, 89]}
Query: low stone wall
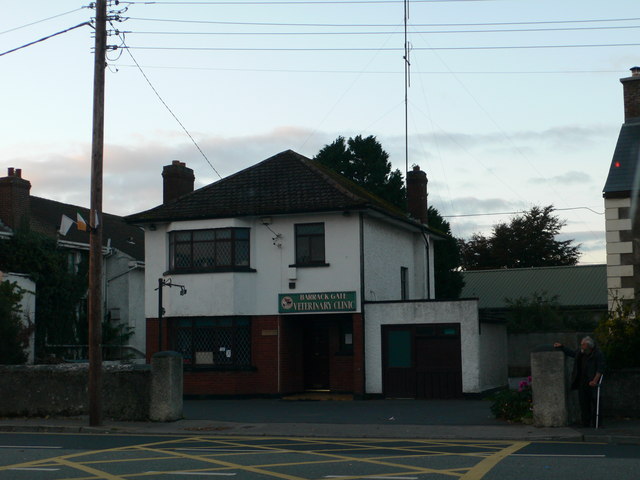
{"type": "Point", "coordinates": [62, 390]}
{"type": "Point", "coordinates": [621, 393]}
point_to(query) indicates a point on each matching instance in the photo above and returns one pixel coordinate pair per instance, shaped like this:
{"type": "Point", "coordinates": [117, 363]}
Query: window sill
{"type": "Point", "coordinates": [309, 265]}
{"type": "Point", "coordinates": [185, 271]}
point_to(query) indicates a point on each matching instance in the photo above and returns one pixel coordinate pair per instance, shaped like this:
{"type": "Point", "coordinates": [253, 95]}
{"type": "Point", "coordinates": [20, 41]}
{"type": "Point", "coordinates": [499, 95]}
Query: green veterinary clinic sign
{"type": "Point", "coordinates": [316, 302]}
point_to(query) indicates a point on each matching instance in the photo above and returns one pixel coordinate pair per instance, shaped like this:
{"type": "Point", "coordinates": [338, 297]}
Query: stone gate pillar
{"type": "Point", "coordinates": [549, 389]}
{"type": "Point", "coordinates": [166, 387]}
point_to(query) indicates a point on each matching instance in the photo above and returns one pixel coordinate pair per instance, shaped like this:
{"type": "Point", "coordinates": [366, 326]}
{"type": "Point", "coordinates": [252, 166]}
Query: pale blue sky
{"type": "Point", "coordinates": [496, 130]}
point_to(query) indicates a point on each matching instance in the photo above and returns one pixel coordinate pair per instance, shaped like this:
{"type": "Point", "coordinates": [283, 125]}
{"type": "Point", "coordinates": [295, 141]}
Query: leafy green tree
{"type": "Point", "coordinates": [618, 334]}
{"type": "Point", "coordinates": [448, 277]}
{"type": "Point", "coordinates": [13, 335]}
{"type": "Point", "coordinates": [366, 163]}
{"type": "Point", "coordinates": [60, 291]}
{"type": "Point", "coordinates": [528, 240]}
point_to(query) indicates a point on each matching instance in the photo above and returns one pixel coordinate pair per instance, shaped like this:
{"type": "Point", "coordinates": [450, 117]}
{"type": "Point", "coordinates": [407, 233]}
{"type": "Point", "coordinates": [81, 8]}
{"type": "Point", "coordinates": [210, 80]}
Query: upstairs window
{"type": "Point", "coordinates": [208, 250]}
{"type": "Point", "coordinates": [404, 283]}
{"type": "Point", "coordinates": [310, 244]}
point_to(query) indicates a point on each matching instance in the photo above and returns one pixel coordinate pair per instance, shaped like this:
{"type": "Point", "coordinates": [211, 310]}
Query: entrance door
{"type": "Point", "coordinates": [421, 361]}
{"type": "Point", "coordinates": [438, 361]}
{"type": "Point", "coordinates": [398, 372]}
{"type": "Point", "coordinates": [316, 354]}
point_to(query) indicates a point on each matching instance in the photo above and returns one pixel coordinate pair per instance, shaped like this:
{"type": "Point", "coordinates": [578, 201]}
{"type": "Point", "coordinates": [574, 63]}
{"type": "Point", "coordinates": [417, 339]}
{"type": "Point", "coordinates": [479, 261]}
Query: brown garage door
{"type": "Point", "coordinates": [422, 361]}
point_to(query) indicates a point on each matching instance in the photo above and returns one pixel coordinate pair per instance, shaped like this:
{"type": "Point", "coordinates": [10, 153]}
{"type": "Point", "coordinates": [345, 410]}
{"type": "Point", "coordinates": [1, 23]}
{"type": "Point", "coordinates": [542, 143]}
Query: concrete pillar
{"type": "Point", "coordinates": [549, 389]}
{"type": "Point", "coordinates": [166, 387]}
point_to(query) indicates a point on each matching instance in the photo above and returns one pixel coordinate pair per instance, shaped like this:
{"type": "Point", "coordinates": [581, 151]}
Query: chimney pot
{"type": "Point", "coordinates": [631, 94]}
{"type": "Point", "coordinates": [14, 199]}
{"type": "Point", "coordinates": [177, 180]}
{"type": "Point", "coordinates": [417, 194]}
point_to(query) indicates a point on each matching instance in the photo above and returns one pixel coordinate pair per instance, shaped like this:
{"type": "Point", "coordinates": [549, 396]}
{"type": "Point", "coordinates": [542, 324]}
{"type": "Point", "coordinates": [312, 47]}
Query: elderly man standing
{"type": "Point", "coordinates": [587, 371]}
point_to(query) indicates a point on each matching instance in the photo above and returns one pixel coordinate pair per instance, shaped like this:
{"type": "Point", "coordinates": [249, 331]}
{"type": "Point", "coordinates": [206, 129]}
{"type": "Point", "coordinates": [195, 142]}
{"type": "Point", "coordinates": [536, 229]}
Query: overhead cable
{"type": "Point", "coordinates": [168, 108]}
{"type": "Point", "coordinates": [40, 21]}
{"type": "Point", "coordinates": [45, 38]}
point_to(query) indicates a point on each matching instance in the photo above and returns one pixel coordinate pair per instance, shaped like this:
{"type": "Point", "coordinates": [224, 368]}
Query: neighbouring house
{"type": "Point", "coordinates": [579, 292]}
{"type": "Point", "coordinates": [123, 253]}
{"type": "Point", "coordinates": [621, 199]}
{"type": "Point", "coordinates": [287, 277]}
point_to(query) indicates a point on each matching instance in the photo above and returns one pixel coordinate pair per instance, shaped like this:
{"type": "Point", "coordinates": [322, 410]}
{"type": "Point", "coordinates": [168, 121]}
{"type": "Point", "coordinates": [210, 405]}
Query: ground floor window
{"type": "Point", "coordinates": [214, 342]}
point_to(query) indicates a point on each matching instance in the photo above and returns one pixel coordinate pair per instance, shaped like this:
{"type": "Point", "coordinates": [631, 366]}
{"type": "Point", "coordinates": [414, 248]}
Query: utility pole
{"type": "Point", "coordinates": [95, 232]}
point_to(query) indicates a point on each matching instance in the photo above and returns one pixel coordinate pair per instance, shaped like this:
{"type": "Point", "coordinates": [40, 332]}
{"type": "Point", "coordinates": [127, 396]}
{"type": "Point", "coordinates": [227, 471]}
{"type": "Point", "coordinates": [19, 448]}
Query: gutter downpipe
{"type": "Point", "coordinates": [428, 265]}
{"type": "Point", "coordinates": [362, 292]}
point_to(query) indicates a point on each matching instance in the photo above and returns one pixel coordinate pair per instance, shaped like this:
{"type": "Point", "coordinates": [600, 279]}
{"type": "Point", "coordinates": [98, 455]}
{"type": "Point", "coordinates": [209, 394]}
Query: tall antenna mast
{"type": "Point", "coordinates": [407, 84]}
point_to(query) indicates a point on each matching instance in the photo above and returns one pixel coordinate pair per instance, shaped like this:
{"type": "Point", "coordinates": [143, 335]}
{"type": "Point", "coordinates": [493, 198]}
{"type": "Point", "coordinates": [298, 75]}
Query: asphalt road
{"type": "Point", "coordinates": [44, 456]}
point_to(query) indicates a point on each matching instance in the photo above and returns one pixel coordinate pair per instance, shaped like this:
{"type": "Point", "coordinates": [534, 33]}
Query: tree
{"type": "Point", "coordinates": [528, 240]}
{"type": "Point", "coordinates": [364, 161]}
{"type": "Point", "coordinates": [59, 291]}
{"type": "Point", "coordinates": [448, 278]}
{"type": "Point", "coordinates": [12, 333]}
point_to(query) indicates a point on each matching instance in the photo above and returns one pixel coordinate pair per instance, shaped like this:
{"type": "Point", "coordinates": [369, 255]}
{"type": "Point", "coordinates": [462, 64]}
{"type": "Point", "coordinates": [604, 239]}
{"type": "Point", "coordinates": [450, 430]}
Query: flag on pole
{"type": "Point", "coordinates": [65, 225]}
{"type": "Point", "coordinates": [82, 224]}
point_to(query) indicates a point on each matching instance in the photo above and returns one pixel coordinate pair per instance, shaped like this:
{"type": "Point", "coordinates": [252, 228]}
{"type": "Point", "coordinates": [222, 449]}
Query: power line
{"type": "Point", "coordinates": [376, 72]}
{"type": "Point", "coordinates": [40, 21]}
{"type": "Point", "coordinates": [387, 49]}
{"type": "Point", "coordinates": [300, 2]}
{"type": "Point", "coordinates": [168, 108]}
{"type": "Point", "coordinates": [518, 212]}
{"type": "Point", "coordinates": [45, 38]}
{"type": "Point", "coordinates": [369, 25]}
{"type": "Point", "coordinates": [431, 32]}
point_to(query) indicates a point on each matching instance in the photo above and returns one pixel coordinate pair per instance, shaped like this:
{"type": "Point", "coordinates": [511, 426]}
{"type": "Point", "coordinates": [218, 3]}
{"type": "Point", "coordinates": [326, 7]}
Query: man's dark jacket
{"type": "Point", "coordinates": [595, 362]}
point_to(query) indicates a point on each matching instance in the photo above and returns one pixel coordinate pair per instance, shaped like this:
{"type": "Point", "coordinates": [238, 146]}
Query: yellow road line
{"type": "Point", "coordinates": [95, 472]}
{"type": "Point", "coordinates": [227, 464]}
{"type": "Point", "coordinates": [482, 468]}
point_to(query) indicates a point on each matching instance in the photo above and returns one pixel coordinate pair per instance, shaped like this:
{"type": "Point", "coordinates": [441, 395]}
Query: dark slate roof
{"type": "Point", "coordinates": [283, 184]}
{"type": "Point", "coordinates": [46, 215]}
{"type": "Point", "coordinates": [575, 286]}
{"type": "Point", "coordinates": [625, 160]}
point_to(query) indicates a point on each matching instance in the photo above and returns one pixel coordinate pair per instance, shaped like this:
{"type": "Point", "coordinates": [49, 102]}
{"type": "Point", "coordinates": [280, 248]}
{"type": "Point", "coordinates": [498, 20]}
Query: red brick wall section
{"type": "Point", "coordinates": [261, 381]}
{"type": "Point", "coordinates": [358, 354]}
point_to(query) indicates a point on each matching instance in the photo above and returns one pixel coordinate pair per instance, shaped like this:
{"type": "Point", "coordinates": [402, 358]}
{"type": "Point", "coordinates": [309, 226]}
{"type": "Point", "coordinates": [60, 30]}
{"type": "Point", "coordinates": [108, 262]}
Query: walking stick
{"type": "Point", "coordinates": [598, 402]}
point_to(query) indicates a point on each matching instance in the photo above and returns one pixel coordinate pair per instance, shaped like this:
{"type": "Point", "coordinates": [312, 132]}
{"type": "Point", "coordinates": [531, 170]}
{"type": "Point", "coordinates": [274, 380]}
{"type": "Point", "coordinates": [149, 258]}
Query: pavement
{"type": "Point", "coordinates": [339, 417]}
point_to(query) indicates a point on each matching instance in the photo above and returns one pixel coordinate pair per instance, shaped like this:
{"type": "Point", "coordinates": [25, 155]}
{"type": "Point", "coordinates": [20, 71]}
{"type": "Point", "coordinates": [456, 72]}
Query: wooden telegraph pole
{"type": "Point", "coordinates": [95, 232]}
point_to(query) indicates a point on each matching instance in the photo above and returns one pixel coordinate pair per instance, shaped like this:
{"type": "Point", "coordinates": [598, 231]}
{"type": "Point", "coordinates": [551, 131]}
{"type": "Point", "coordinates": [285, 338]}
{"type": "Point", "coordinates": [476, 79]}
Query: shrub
{"type": "Point", "coordinates": [514, 405]}
{"type": "Point", "coordinates": [13, 335]}
{"type": "Point", "coordinates": [618, 335]}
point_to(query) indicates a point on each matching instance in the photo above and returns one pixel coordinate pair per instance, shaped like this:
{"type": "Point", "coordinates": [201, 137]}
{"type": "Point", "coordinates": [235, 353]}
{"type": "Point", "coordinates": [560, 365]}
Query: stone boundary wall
{"type": "Point", "coordinates": [620, 394]}
{"type": "Point", "coordinates": [62, 390]}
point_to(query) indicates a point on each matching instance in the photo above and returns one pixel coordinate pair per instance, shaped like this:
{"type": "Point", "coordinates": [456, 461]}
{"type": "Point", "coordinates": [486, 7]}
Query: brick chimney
{"type": "Point", "coordinates": [177, 180]}
{"type": "Point", "coordinates": [14, 199]}
{"type": "Point", "coordinates": [631, 88]}
{"type": "Point", "coordinates": [417, 194]}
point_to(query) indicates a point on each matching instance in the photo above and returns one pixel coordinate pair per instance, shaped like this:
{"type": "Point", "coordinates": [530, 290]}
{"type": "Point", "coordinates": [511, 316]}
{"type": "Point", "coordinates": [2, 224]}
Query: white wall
{"type": "Point", "coordinates": [386, 249]}
{"type": "Point", "coordinates": [124, 295]}
{"type": "Point", "coordinates": [255, 293]}
{"type": "Point", "coordinates": [494, 352]}
{"type": "Point", "coordinates": [464, 312]}
{"type": "Point", "coordinates": [27, 305]}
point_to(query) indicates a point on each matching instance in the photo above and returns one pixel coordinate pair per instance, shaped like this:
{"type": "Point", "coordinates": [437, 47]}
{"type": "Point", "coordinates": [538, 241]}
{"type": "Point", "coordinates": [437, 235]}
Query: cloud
{"type": "Point", "coordinates": [572, 177]}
